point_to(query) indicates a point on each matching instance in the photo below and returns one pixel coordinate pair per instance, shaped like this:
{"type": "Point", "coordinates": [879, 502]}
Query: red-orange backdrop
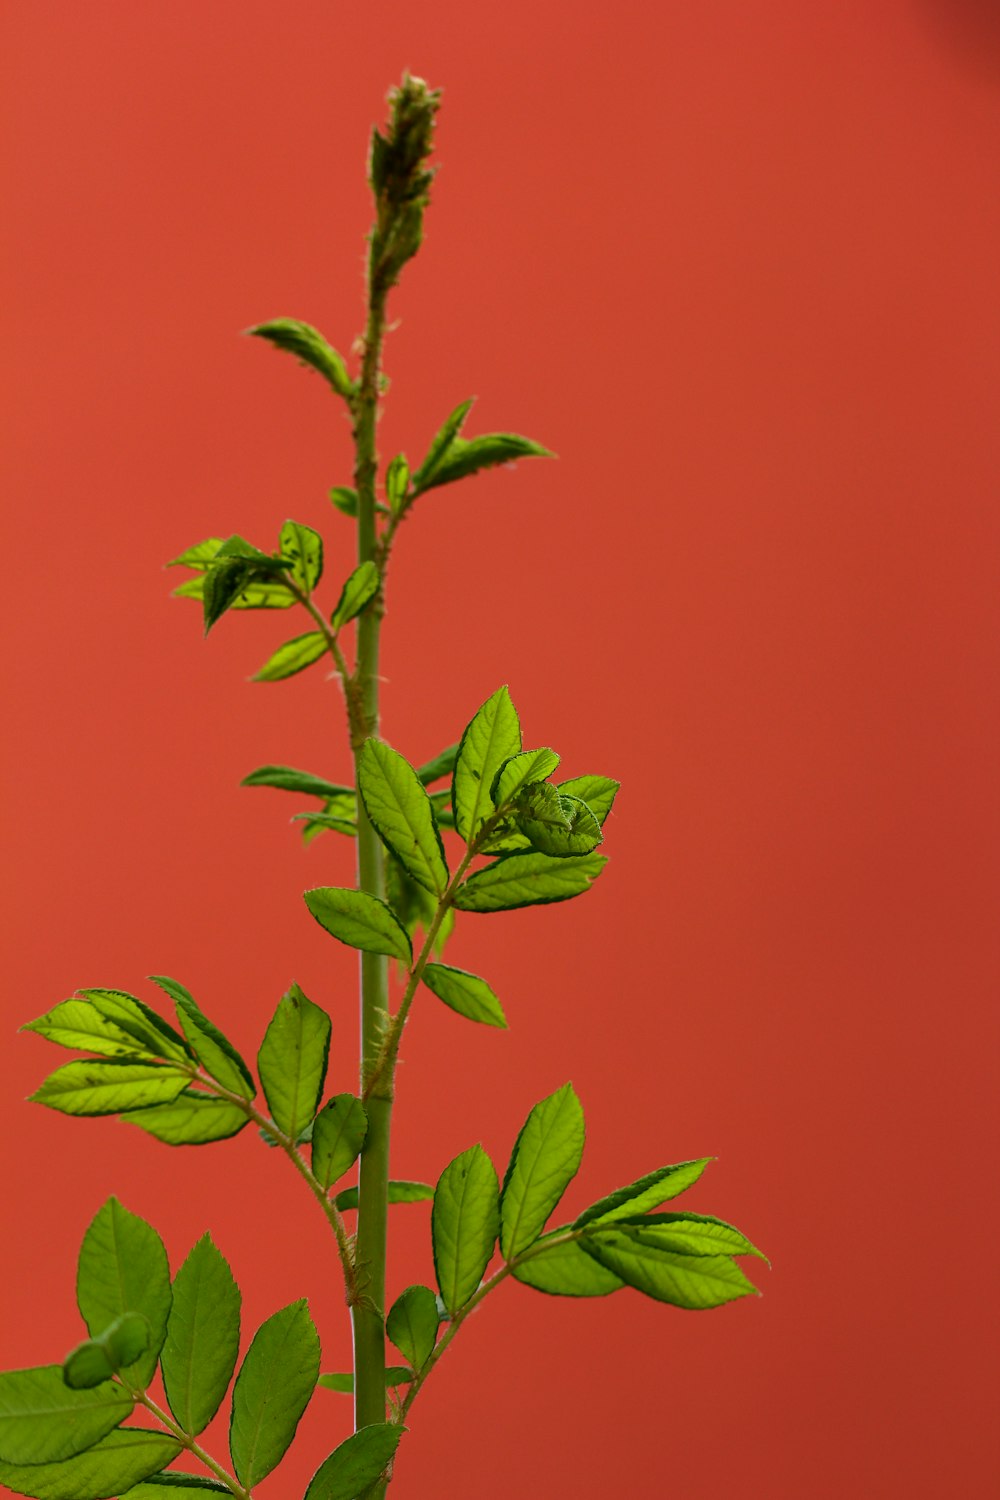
{"type": "Point", "coordinates": [737, 265]}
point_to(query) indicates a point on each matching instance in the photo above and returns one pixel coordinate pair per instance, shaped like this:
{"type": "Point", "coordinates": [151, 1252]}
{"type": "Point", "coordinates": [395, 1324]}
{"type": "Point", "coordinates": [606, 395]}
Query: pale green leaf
{"type": "Point", "coordinates": [256, 593]}
{"type": "Point", "coordinates": [43, 1421]}
{"type": "Point", "coordinates": [598, 792]}
{"type": "Point", "coordinates": [528, 880]}
{"type": "Point", "coordinates": [108, 1086]}
{"type": "Point", "coordinates": [303, 548]}
{"type": "Point", "coordinates": [645, 1193]}
{"type": "Point", "coordinates": [288, 779]}
{"type": "Point", "coordinates": [293, 657]}
{"type": "Point", "coordinates": [310, 348]}
{"type": "Point", "coordinates": [440, 765]}
{"type": "Point", "coordinates": [345, 499]}
{"type": "Point", "coordinates": [470, 457]}
{"type": "Point", "coordinates": [440, 443]}
{"type": "Point", "coordinates": [464, 1222]}
{"type": "Point", "coordinates": [492, 736]}
{"type": "Point", "coordinates": [545, 1159]}
{"type": "Point", "coordinates": [356, 1464]}
{"type": "Point", "coordinates": [203, 1337]}
{"type": "Point", "coordinates": [199, 556]}
{"type": "Point", "coordinates": [139, 1020]}
{"type": "Point", "coordinates": [111, 1467]}
{"type": "Point", "coordinates": [272, 1390]}
{"type": "Point", "coordinates": [292, 1061]}
{"type": "Point", "coordinates": [564, 1270]}
{"type": "Point", "coordinates": [123, 1268]}
{"type": "Point", "coordinates": [691, 1234]}
{"type": "Point", "coordinates": [343, 1381]}
{"type": "Point", "coordinates": [359, 590]}
{"type": "Point", "coordinates": [192, 1119]}
{"type": "Point", "coordinates": [520, 770]}
{"type": "Point", "coordinates": [557, 824]}
{"type": "Point", "coordinates": [397, 480]}
{"type": "Point", "coordinates": [689, 1281]}
{"type": "Point", "coordinates": [79, 1025]}
{"type": "Point", "coordinates": [360, 921]}
{"type": "Point", "coordinates": [399, 1192]}
{"type": "Point", "coordinates": [338, 1135]}
{"type": "Point", "coordinates": [465, 993]}
{"type": "Point", "coordinates": [401, 813]}
{"type": "Point", "coordinates": [214, 1051]}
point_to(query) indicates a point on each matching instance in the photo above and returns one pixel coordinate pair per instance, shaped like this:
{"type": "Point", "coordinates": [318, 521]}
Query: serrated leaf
{"type": "Point", "coordinates": [77, 1024]}
{"type": "Point", "coordinates": [43, 1421]}
{"type": "Point", "coordinates": [343, 1381]}
{"type": "Point", "coordinates": [96, 1360]}
{"type": "Point", "coordinates": [566, 1271]}
{"type": "Point", "coordinates": [229, 579]}
{"type": "Point", "coordinates": [123, 1268]}
{"type": "Point", "coordinates": [599, 793]}
{"type": "Point", "coordinates": [255, 594]}
{"type": "Point", "coordinates": [292, 1061]}
{"type": "Point", "coordinates": [272, 1390]}
{"type": "Point", "coordinates": [213, 1050]}
{"type": "Point", "coordinates": [111, 1467]}
{"type": "Point", "coordinates": [544, 1161]}
{"type": "Point", "coordinates": [465, 1219]}
{"type": "Point", "coordinates": [288, 779]}
{"type": "Point", "coordinates": [199, 556]}
{"type": "Point", "coordinates": [360, 921]}
{"type": "Point", "coordinates": [645, 1193]}
{"type": "Point", "coordinates": [528, 880]}
{"type": "Point", "coordinates": [438, 766]}
{"type": "Point", "coordinates": [139, 1020]}
{"type": "Point", "coordinates": [345, 499]}
{"type": "Point", "coordinates": [401, 813]}
{"type": "Point", "coordinates": [691, 1234]}
{"type": "Point", "coordinates": [465, 993]}
{"type": "Point", "coordinates": [182, 1485]}
{"type": "Point", "coordinates": [398, 1192]}
{"type": "Point", "coordinates": [356, 1464]}
{"type": "Point", "coordinates": [192, 1119]}
{"type": "Point", "coordinates": [310, 348]}
{"type": "Point", "coordinates": [440, 443]}
{"type": "Point", "coordinates": [203, 1337]}
{"type": "Point", "coordinates": [412, 1324]}
{"type": "Point", "coordinates": [338, 1135]}
{"type": "Point", "coordinates": [303, 548]}
{"type": "Point", "coordinates": [575, 830]}
{"type": "Point", "coordinates": [519, 771]}
{"type": "Point", "coordinates": [108, 1086]}
{"type": "Point", "coordinates": [470, 457]}
{"type": "Point", "coordinates": [359, 590]}
{"type": "Point", "coordinates": [292, 657]}
{"type": "Point", "coordinates": [492, 736]}
{"type": "Point", "coordinates": [689, 1281]}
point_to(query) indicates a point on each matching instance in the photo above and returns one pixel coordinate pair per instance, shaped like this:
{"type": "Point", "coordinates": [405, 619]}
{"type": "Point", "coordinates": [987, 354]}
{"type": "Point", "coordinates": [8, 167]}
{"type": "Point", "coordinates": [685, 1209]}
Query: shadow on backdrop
{"type": "Point", "coordinates": [968, 29]}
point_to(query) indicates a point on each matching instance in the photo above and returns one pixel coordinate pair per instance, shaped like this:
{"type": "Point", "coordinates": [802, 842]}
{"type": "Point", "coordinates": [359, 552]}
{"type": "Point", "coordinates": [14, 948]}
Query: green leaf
{"type": "Point", "coordinates": [123, 1268]}
{"type": "Point", "coordinates": [78, 1024]}
{"type": "Point", "coordinates": [182, 1485]}
{"type": "Point", "coordinates": [557, 824]}
{"type": "Point", "coordinates": [343, 1382]}
{"type": "Point", "coordinates": [272, 1390]}
{"type": "Point", "coordinates": [213, 1050]}
{"type": "Point", "coordinates": [358, 591]}
{"type": "Point", "coordinates": [440, 765]}
{"type": "Point", "coordinates": [645, 1193]}
{"type": "Point", "coordinates": [544, 1161]}
{"type": "Point", "coordinates": [356, 1464]}
{"type": "Point", "coordinates": [492, 736]}
{"type": "Point", "coordinates": [520, 770]}
{"type": "Point", "coordinates": [598, 792]}
{"type": "Point", "coordinates": [292, 657]}
{"type": "Point", "coordinates": [338, 1135]}
{"type": "Point", "coordinates": [464, 1223]}
{"type": "Point", "coordinates": [528, 880]}
{"type": "Point", "coordinates": [440, 444]}
{"type": "Point", "coordinates": [464, 992]}
{"type": "Point", "coordinates": [360, 921]}
{"type": "Point", "coordinates": [412, 1324]}
{"type": "Point", "coordinates": [316, 823]}
{"type": "Point", "coordinates": [401, 813]}
{"type": "Point", "coordinates": [413, 905]}
{"type": "Point", "coordinates": [236, 567]}
{"type": "Point", "coordinates": [464, 458]}
{"type": "Point", "coordinates": [397, 480]}
{"type": "Point", "coordinates": [256, 593]}
{"type": "Point", "coordinates": [690, 1281]}
{"type": "Point", "coordinates": [345, 499]}
{"type": "Point", "coordinates": [98, 1359]}
{"type": "Point", "coordinates": [43, 1421]}
{"type": "Point", "coordinates": [399, 1192]}
{"type": "Point", "coordinates": [288, 779]}
{"type": "Point", "coordinates": [310, 348]}
{"type": "Point", "coordinates": [139, 1020]}
{"type": "Point", "coordinates": [292, 1061]}
{"type": "Point", "coordinates": [108, 1086]}
{"type": "Point", "coordinates": [691, 1234]}
{"type": "Point", "coordinates": [303, 548]}
{"type": "Point", "coordinates": [192, 1119]}
{"type": "Point", "coordinates": [566, 1270]}
{"type": "Point", "coordinates": [203, 1337]}
{"type": "Point", "coordinates": [199, 556]}
{"type": "Point", "coordinates": [111, 1467]}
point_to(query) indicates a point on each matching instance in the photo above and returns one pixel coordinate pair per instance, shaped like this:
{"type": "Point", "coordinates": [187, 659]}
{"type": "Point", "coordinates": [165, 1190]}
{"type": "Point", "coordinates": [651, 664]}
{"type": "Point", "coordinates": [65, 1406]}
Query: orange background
{"type": "Point", "coordinates": [737, 265]}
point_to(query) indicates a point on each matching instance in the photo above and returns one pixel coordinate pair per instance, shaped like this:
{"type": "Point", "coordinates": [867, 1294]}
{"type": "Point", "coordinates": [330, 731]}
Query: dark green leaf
{"type": "Point", "coordinates": [463, 458]}
{"type": "Point", "coordinates": [150, 1030]}
{"type": "Point", "coordinates": [343, 1382]}
{"type": "Point", "coordinates": [79, 1025]}
{"type": "Point", "coordinates": [192, 1119]}
{"type": "Point", "coordinates": [203, 1337]}
{"type": "Point", "coordinates": [123, 1268]}
{"type": "Point", "coordinates": [399, 1192]}
{"type": "Point", "coordinates": [214, 1051]}
{"type": "Point", "coordinates": [440, 444]}
{"type": "Point", "coordinates": [412, 1324]}
{"type": "Point", "coordinates": [338, 1135]}
{"type": "Point", "coordinates": [108, 1086]}
{"type": "Point", "coordinates": [360, 921]}
{"type": "Point", "coordinates": [345, 499]}
{"type": "Point", "coordinates": [401, 813]}
{"type": "Point", "coordinates": [397, 479]}
{"type": "Point", "coordinates": [464, 992]}
{"type": "Point", "coordinates": [182, 1485]}
{"type": "Point", "coordinates": [43, 1421]}
{"type": "Point", "coordinates": [303, 548]}
{"type": "Point", "coordinates": [199, 556]}
{"type": "Point", "coordinates": [293, 657]}
{"type": "Point", "coordinates": [528, 880]}
{"type": "Point", "coordinates": [292, 1061]}
{"type": "Point", "coordinates": [98, 1359]}
{"type": "Point", "coordinates": [288, 779]}
{"type": "Point", "coordinates": [492, 736]}
{"type": "Point", "coordinates": [566, 1271]}
{"type": "Point", "coordinates": [354, 1466]}
{"type": "Point", "coordinates": [598, 792]}
{"type": "Point", "coordinates": [545, 1159]}
{"type": "Point", "coordinates": [272, 1390]}
{"type": "Point", "coordinates": [520, 770]}
{"type": "Point", "coordinates": [645, 1193]}
{"type": "Point", "coordinates": [691, 1281]}
{"type": "Point", "coordinates": [464, 1223]}
{"type": "Point", "coordinates": [358, 591]}
{"type": "Point", "coordinates": [111, 1467]}
{"type": "Point", "coordinates": [310, 348]}
{"type": "Point", "coordinates": [441, 765]}
{"type": "Point", "coordinates": [256, 593]}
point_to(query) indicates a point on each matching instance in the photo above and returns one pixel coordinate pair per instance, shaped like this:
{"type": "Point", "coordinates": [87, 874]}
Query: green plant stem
{"type": "Point", "coordinates": [191, 1444]}
{"type": "Point", "coordinates": [329, 635]}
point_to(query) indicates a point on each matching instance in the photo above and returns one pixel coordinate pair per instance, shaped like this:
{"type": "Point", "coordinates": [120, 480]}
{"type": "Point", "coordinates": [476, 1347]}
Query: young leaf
{"type": "Point", "coordinates": [292, 1061]}
{"type": "Point", "coordinates": [338, 1135]}
{"type": "Point", "coordinates": [345, 499]}
{"type": "Point", "coordinates": [545, 1158]}
{"type": "Point", "coordinates": [272, 1390]}
{"type": "Point", "coordinates": [464, 992]}
{"type": "Point", "coordinates": [303, 548]}
{"type": "Point", "coordinates": [214, 1051]}
{"type": "Point", "coordinates": [464, 1223]}
{"type": "Point", "coordinates": [192, 1119]}
{"type": "Point", "coordinates": [645, 1193]}
{"type": "Point", "coordinates": [110, 1467]}
{"type": "Point", "coordinates": [343, 1382]}
{"type": "Point", "coordinates": [401, 813]}
{"type": "Point", "coordinates": [519, 771]}
{"type": "Point", "coordinates": [566, 1271]}
{"type": "Point", "coordinates": [397, 479]}
{"type": "Point", "coordinates": [310, 348]}
{"type": "Point", "coordinates": [43, 1421]}
{"type": "Point", "coordinates": [492, 736]}
{"type": "Point", "coordinates": [108, 1086]}
{"type": "Point", "coordinates": [441, 765]}
{"type": "Point", "coordinates": [412, 1324]}
{"type": "Point", "coordinates": [288, 779]}
{"type": "Point", "coordinates": [360, 921]}
{"type": "Point", "coordinates": [557, 824]}
{"type": "Point", "coordinates": [203, 1337]}
{"type": "Point", "coordinates": [464, 458]}
{"type": "Point", "coordinates": [440, 444]}
{"type": "Point", "coordinates": [123, 1268]}
{"type": "Point", "coordinates": [256, 593]}
{"type": "Point", "coordinates": [79, 1025]}
{"type": "Point", "coordinates": [528, 880]}
{"type": "Point", "coordinates": [690, 1281]}
{"type": "Point", "coordinates": [228, 580]}
{"type": "Point", "coordinates": [399, 1192]}
{"type": "Point", "coordinates": [356, 1464]}
{"type": "Point", "coordinates": [98, 1359]}
{"type": "Point", "coordinates": [358, 591]}
{"type": "Point", "coordinates": [292, 657]}
{"type": "Point", "coordinates": [599, 793]}
{"type": "Point", "coordinates": [199, 556]}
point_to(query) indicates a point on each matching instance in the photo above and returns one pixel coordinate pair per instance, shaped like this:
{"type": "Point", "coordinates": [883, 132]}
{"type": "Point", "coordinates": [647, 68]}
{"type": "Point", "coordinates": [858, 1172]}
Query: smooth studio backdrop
{"type": "Point", "coordinates": [736, 264]}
